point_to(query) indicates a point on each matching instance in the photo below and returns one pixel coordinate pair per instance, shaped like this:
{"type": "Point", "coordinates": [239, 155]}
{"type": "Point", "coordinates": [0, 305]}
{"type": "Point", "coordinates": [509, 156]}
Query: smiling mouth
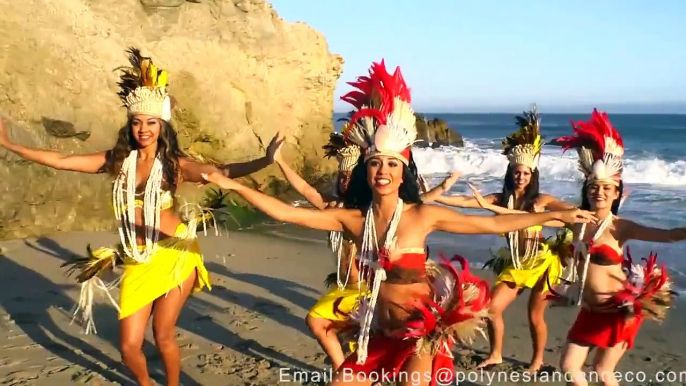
{"type": "Point", "coordinates": [382, 181]}
{"type": "Point", "coordinates": [145, 136]}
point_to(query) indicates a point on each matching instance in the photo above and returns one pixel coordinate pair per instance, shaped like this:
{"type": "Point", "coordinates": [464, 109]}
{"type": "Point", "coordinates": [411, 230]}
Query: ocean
{"type": "Point", "coordinates": [654, 176]}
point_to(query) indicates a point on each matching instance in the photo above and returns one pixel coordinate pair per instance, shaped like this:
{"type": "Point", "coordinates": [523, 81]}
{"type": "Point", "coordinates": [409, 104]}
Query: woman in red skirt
{"type": "Point", "coordinates": [615, 294]}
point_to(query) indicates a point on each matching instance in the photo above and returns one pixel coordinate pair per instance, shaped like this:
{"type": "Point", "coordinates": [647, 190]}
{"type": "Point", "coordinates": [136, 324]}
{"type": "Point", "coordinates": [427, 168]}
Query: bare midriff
{"type": "Point", "coordinates": [169, 222]}
{"type": "Point", "coordinates": [393, 304]}
{"type": "Point", "coordinates": [602, 281]}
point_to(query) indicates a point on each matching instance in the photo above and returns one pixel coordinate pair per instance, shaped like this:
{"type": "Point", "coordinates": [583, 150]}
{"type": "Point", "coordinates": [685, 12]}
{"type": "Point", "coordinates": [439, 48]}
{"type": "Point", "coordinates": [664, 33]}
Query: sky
{"type": "Point", "coordinates": [501, 56]}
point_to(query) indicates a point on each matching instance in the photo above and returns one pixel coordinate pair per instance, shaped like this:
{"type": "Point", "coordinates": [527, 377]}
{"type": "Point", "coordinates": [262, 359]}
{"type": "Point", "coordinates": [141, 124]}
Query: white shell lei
{"type": "Point", "coordinates": [370, 260]}
{"type": "Point", "coordinates": [513, 238]}
{"type": "Point", "coordinates": [581, 249]}
{"type": "Point", "coordinates": [124, 196]}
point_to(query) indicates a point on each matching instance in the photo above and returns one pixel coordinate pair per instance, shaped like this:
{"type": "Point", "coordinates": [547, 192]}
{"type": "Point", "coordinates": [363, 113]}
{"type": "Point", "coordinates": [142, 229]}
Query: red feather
{"type": "Point", "coordinates": [591, 134]}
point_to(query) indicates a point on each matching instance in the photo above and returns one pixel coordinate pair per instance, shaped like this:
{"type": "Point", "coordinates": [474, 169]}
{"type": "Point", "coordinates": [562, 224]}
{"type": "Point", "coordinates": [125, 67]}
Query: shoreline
{"type": "Point", "coordinates": [248, 329]}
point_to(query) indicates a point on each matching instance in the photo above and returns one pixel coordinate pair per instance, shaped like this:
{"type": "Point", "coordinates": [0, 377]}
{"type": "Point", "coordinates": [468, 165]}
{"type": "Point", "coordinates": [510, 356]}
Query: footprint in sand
{"type": "Point", "coordinates": [270, 308]}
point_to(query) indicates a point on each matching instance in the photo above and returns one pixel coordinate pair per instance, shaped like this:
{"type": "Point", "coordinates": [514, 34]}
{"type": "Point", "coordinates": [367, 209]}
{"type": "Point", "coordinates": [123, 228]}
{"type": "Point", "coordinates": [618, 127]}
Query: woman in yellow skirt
{"type": "Point", "coordinates": [161, 259]}
{"type": "Point", "coordinates": [528, 261]}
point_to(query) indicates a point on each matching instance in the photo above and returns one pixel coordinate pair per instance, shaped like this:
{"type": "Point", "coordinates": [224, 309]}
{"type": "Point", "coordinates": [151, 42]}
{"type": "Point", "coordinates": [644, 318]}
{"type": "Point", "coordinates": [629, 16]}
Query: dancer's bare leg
{"type": "Point", "coordinates": [606, 360]}
{"type": "Point", "coordinates": [503, 295]}
{"type": "Point", "coordinates": [327, 338]}
{"type": "Point", "coordinates": [537, 325]}
{"type": "Point", "coordinates": [572, 363]}
{"type": "Point", "coordinates": [132, 333]}
{"type": "Point", "coordinates": [166, 312]}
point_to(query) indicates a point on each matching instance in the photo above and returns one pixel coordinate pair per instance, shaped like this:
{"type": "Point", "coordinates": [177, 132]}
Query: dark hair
{"type": "Point", "coordinates": [586, 205]}
{"type": "Point", "coordinates": [359, 193]}
{"type": "Point", "coordinates": [167, 147]}
{"type": "Point", "coordinates": [531, 191]}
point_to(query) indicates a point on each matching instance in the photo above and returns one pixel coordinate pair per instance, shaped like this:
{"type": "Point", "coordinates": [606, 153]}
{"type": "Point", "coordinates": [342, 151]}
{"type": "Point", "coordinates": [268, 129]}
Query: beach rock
{"type": "Point", "coordinates": [553, 142]}
{"type": "Point", "coordinates": [238, 73]}
{"type": "Point", "coordinates": [436, 133]}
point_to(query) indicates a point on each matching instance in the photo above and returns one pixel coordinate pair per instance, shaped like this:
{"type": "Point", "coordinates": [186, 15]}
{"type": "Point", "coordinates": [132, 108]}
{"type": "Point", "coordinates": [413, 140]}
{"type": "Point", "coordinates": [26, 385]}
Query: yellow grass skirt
{"type": "Point", "coordinates": [171, 264]}
{"type": "Point", "coordinates": [533, 270]}
{"type": "Point", "coordinates": [336, 304]}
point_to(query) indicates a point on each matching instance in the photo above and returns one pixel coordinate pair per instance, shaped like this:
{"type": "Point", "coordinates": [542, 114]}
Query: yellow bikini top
{"type": "Point", "coordinates": [166, 198]}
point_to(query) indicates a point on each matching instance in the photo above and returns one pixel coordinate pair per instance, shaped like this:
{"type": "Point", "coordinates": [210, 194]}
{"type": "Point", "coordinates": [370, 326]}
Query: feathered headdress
{"type": "Point", "coordinates": [144, 87]}
{"type": "Point", "coordinates": [346, 153]}
{"type": "Point", "coordinates": [384, 123]}
{"type": "Point", "coordinates": [523, 147]}
{"type": "Point", "coordinates": [600, 149]}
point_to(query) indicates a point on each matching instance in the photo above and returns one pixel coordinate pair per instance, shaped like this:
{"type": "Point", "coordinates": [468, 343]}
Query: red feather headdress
{"type": "Point", "coordinates": [383, 123]}
{"type": "Point", "coordinates": [600, 148]}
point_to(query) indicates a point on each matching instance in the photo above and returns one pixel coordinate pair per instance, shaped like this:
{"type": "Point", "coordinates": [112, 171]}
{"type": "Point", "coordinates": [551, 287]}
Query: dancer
{"type": "Point", "coordinates": [615, 294]}
{"type": "Point", "coordinates": [161, 258]}
{"type": "Point", "coordinates": [332, 309]}
{"type": "Point", "coordinates": [528, 261]}
{"type": "Point", "coordinates": [416, 309]}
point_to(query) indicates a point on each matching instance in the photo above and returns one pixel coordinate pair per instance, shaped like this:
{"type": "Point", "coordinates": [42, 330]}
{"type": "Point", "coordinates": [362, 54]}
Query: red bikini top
{"type": "Point", "coordinates": [604, 254]}
{"type": "Point", "coordinates": [410, 267]}
{"type": "Point", "coordinates": [410, 258]}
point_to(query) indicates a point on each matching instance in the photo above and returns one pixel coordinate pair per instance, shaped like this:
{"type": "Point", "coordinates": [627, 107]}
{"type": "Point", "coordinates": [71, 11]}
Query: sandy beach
{"type": "Point", "coordinates": [249, 329]}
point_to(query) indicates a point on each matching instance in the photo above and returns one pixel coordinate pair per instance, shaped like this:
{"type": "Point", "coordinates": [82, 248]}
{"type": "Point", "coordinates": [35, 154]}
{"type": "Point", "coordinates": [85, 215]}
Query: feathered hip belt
{"type": "Point", "coordinates": [647, 291]}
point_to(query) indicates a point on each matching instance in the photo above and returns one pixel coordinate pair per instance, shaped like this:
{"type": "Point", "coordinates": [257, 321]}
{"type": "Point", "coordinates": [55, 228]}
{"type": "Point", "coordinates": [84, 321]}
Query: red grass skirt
{"type": "Point", "coordinates": [604, 329]}
{"type": "Point", "coordinates": [386, 357]}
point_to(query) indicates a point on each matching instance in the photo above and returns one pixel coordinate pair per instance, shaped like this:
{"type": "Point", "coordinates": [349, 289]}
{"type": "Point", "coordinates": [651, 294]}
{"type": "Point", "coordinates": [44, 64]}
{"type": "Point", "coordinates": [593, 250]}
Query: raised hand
{"type": "Point", "coordinates": [274, 148]}
{"type": "Point", "coordinates": [573, 216]}
{"type": "Point", "coordinates": [450, 180]}
{"type": "Point", "coordinates": [479, 198]}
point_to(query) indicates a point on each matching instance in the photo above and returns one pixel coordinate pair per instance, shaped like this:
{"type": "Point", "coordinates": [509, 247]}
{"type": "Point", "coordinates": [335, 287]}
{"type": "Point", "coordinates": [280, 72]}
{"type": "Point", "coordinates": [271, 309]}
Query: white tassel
{"type": "Point", "coordinates": [336, 240]}
{"type": "Point", "coordinates": [370, 259]}
{"type": "Point", "coordinates": [124, 202]}
{"type": "Point", "coordinates": [85, 304]}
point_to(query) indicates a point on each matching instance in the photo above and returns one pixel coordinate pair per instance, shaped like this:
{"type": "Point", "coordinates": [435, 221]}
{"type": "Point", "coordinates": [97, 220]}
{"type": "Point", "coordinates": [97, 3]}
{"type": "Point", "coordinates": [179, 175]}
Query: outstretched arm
{"type": "Point", "coordinates": [497, 209]}
{"type": "Point", "coordinates": [86, 163]}
{"type": "Point", "coordinates": [437, 191]}
{"type": "Point", "coordinates": [240, 169]}
{"type": "Point", "coordinates": [464, 201]}
{"type": "Point", "coordinates": [327, 220]}
{"type": "Point", "coordinates": [446, 220]}
{"type": "Point", "coordinates": [301, 186]}
{"type": "Point", "coordinates": [630, 230]}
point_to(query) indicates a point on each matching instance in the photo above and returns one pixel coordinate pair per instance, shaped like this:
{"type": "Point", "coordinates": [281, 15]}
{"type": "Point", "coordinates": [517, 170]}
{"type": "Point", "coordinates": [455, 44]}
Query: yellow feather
{"type": "Point", "coordinates": [153, 74]}
{"type": "Point", "coordinates": [162, 79]}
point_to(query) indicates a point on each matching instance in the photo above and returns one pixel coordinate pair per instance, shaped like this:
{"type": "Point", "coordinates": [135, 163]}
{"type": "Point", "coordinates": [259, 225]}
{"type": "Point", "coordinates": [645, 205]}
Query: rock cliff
{"type": "Point", "coordinates": [436, 132]}
{"type": "Point", "coordinates": [237, 71]}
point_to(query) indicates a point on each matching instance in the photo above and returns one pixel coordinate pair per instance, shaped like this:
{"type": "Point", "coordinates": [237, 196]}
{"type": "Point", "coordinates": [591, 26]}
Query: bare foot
{"type": "Point", "coordinates": [534, 367]}
{"type": "Point", "coordinates": [490, 361]}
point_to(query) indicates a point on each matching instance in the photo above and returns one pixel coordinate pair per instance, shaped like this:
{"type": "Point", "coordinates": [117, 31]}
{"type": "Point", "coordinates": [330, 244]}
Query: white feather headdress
{"type": "Point", "coordinates": [384, 123]}
{"type": "Point", "coordinates": [600, 149]}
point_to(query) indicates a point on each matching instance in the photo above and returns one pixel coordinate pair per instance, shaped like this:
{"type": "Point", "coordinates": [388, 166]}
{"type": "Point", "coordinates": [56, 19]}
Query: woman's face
{"type": "Point", "coordinates": [343, 181]}
{"type": "Point", "coordinates": [521, 175]}
{"type": "Point", "coordinates": [602, 195]}
{"type": "Point", "coordinates": [146, 129]}
{"type": "Point", "coordinates": [384, 174]}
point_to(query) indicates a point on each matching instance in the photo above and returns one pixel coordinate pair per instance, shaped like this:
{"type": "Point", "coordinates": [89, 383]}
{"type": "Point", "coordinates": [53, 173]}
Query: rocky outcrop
{"type": "Point", "coordinates": [237, 71]}
{"type": "Point", "coordinates": [435, 133]}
